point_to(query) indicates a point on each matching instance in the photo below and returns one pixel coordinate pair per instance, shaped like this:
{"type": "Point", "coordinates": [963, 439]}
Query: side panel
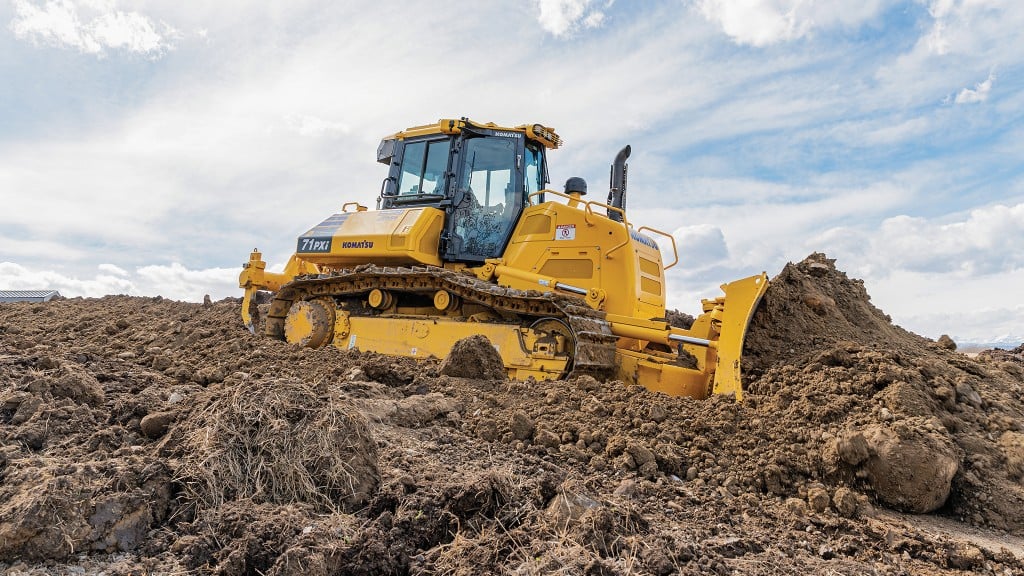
{"type": "Point", "coordinates": [588, 250]}
{"type": "Point", "coordinates": [401, 236]}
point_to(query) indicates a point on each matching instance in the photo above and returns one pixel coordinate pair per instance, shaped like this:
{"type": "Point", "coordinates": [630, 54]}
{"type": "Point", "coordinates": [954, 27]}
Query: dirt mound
{"type": "Point", "coordinates": [278, 441]}
{"type": "Point", "coordinates": [831, 363]}
{"type": "Point", "coordinates": [810, 307]}
{"type": "Point", "coordinates": [474, 357]}
{"type": "Point", "coordinates": [140, 435]}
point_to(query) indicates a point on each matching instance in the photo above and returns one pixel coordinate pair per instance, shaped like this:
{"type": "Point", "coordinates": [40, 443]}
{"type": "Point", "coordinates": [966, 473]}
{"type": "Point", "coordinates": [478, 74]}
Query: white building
{"type": "Point", "coordinates": [28, 295]}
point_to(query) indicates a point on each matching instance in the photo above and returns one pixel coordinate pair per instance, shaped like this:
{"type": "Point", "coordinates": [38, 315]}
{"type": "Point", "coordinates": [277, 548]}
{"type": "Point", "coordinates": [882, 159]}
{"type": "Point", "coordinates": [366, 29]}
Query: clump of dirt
{"type": "Point", "coordinates": [474, 357]}
{"type": "Point", "coordinates": [141, 435]}
{"type": "Point", "coordinates": [277, 441]}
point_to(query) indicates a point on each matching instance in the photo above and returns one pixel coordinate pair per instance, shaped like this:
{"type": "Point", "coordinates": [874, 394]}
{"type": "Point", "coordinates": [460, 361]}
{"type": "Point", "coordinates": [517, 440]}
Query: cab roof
{"type": "Point", "coordinates": [536, 132]}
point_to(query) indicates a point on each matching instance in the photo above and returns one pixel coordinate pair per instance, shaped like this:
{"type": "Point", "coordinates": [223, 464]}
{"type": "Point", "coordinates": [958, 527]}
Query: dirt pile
{"type": "Point", "coordinates": [930, 419]}
{"type": "Point", "coordinates": [144, 435]}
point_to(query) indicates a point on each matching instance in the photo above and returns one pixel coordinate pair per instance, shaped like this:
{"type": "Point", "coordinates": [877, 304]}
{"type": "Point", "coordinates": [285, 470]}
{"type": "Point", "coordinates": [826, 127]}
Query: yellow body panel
{"type": "Point", "coordinates": [576, 246]}
{"type": "Point", "coordinates": [395, 237]}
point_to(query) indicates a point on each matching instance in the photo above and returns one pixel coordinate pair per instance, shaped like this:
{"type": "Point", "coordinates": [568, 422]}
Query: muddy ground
{"type": "Point", "coordinates": [148, 436]}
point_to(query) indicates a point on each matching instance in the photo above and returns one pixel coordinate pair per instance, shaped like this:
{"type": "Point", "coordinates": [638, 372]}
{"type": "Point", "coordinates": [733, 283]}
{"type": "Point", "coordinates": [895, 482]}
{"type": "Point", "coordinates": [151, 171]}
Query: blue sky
{"type": "Point", "coordinates": [146, 147]}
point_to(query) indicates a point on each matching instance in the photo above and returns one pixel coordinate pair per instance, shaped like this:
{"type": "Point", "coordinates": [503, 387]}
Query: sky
{"type": "Point", "coordinates": [146, 147]}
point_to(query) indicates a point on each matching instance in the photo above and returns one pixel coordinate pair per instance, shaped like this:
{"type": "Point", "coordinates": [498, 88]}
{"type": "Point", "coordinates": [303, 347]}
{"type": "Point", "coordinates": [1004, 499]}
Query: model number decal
{"type": "Point", "coordinates": [307, 244]}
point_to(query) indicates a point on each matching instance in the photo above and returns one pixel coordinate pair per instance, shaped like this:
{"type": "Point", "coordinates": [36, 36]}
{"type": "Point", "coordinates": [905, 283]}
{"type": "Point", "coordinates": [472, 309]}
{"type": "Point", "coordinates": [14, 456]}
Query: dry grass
{"type": "Point", "coordinates": [279, 442]}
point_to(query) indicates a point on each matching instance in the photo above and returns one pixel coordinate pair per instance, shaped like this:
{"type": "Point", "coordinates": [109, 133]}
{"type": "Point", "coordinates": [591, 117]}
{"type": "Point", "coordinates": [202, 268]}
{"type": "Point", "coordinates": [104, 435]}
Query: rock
{"type": "Point", "coordinates": [818, 498]}
{"type": "Point", "coordinates": [911, 467]}
{"type": "Point", "coordinates": [155, 425]}
{"type": "Point", "coordinates": [657, 413]}
{"type": "Point", "coordinates": [946, 342]}
{"type": "Point", "coordinates": [474, 357]}
{"type": "Point", "coordinates": [547, 438]}
{"type": "Point", "coordinates": [796, 507]}
{"type": "Point", "coordinates": [521, 425]}
{"type": "Point", "coordinates": [640, 453]}
{"type": "Point", "coordinates": [691, 473]}
{"type": "Point", "coordinates": [845, 502]}
{"type": "Point", "coordinates": [966, 394]}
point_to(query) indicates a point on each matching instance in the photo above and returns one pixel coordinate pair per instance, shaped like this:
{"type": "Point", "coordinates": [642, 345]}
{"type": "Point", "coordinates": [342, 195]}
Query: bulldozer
{"type": "Point", "coordinates": [467, 239]}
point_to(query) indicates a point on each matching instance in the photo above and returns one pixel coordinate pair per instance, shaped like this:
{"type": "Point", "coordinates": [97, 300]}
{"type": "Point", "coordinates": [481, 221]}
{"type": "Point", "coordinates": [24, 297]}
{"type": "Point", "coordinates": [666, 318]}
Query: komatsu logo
{"type": "Point", "coordinates": [508, 134]}
{"type": "Point", "coordinates": [359, 244]}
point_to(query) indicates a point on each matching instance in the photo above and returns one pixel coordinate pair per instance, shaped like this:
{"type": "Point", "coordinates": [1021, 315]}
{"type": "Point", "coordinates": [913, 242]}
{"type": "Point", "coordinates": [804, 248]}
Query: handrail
{"type": "Point", "coordinates": [671, 238]}
{"type": "Point", "coordinates": [359, 207]}
{"type": "Point", "coordinates": [580, 200]}
{"type": "Point", "coordinates": [543, 192]}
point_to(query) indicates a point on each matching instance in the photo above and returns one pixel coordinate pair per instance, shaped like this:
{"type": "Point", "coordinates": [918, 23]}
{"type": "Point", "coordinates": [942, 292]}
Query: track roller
{"type": "Point", "coordinates": [380, 299]}
{"type": "Point", "coordinates": [445, 301]}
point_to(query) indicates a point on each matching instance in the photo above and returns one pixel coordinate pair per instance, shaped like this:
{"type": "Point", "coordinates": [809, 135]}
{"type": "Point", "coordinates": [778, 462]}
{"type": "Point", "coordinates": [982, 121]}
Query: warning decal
{"type": "Point", "coordinates": [565, 232]}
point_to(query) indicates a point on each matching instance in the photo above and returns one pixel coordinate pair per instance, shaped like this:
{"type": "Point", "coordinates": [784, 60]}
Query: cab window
{"type": "Point", "coordinates": [534, 173]}
{"type": "Point", "coordinates": [488, 168]}
{"type": "Point", "coordinates": [424, 165]}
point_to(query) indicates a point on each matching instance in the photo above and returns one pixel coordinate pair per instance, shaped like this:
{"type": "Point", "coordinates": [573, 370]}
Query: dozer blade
{"type": "Point", "coordinates": [741, 299]}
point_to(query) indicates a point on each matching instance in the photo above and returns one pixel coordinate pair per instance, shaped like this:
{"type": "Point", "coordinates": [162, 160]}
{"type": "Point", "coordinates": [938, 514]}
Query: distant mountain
{"type": "Point", "coordinates": [1007, 342]}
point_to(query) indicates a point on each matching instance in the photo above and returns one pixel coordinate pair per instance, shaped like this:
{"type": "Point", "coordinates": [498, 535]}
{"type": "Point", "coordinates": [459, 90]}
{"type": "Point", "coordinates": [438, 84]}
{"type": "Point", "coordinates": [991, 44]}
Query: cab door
{"type": "Point", "coordinates": [489, 196]}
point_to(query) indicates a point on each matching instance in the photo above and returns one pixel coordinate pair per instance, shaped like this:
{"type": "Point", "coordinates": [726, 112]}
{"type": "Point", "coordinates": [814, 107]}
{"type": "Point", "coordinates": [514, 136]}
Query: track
{"type": "Point", "coordinates": [594, 345]}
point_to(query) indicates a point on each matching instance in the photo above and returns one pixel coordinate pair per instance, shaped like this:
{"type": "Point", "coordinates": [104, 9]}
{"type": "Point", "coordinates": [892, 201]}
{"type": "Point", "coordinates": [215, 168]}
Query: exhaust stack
{"type": "Point", "coordinates": [617, 185]}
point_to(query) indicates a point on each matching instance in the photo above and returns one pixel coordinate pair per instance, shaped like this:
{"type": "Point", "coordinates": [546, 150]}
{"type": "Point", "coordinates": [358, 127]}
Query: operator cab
{"type": "Point", "coordinates": [480, 176]}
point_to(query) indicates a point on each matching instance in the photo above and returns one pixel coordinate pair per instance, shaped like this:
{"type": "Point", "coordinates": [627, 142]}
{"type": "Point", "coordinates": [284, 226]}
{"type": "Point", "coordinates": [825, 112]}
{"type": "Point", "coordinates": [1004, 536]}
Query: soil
{"type": "Point", "coordinates": [148, 436]}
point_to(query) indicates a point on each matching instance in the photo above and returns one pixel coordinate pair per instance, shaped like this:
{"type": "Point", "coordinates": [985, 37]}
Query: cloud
{"type": "Point", "coordinates": [113, 269]}
{"type": "Point", "coordinates": [309, 125]}
{"type": "Point", "coordinates": [16, 277]}
{"type": "Point", "coordinates": [170, 281]}
{"type": "Point", "coordinates": [765, 22]}
{"type": "Point", "coordinates": [700, 246]}
{"type": "Point", "coordinates": [979, 94]}
{"type": "Point", "coordinates": [176, 281]}
{"type": "Point", "coordinates": [984, 241]}
{"type": "Point", "coordinates": [57, 23]}
{"type": "Point", "coordinates": [562, 17]}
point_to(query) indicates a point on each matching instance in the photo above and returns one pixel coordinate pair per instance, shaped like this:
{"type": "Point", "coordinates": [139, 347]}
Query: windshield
{"type": "Point", "coordinates": [423, 167]}
{"type": "Point", "coordinates": [488, 169]}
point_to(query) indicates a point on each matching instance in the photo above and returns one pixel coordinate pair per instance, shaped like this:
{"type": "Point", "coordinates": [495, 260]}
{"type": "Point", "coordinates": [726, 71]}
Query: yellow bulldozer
{"type": "Point", "coordinates": [466, 239]}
